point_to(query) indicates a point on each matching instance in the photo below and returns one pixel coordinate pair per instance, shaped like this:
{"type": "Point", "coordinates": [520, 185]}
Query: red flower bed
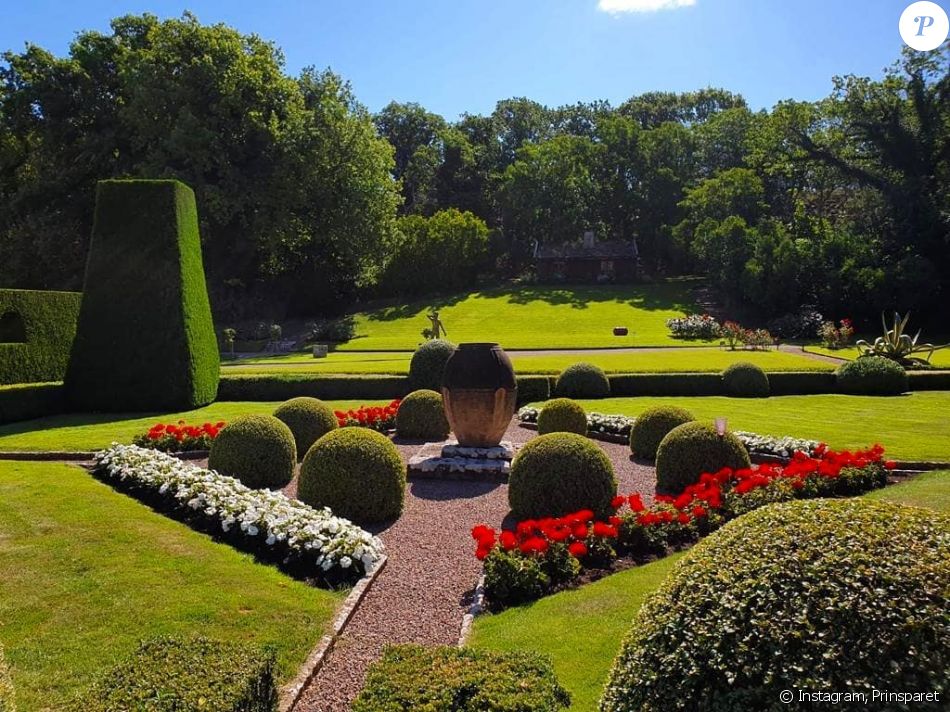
{"type": "Point", "coordinates": [179, 437]}
{"type": "Point", "coordinates": [376, 417]}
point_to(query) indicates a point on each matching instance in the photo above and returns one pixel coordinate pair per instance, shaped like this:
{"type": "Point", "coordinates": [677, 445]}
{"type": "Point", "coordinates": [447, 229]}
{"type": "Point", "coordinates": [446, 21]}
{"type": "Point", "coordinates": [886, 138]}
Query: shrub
{"type": "Point", "coordinates": [35, 400]}
{"type": "Point", "coordinates": [652, 425]}
{"type": "Point", "coordinates": [309, 419]}
{"type": "Point", "coordinates": [533, 389]}
{"type": "Point", "coordinates": [7, 697]}
{"type": "Point", "coordinates": [582, 380]}
{"type": "Point", "coordinates": [258, 450]}
{"type": "Point", "coordinates": [428, 364]}
{"type": "Point", "coordinates": [822, 595]}
{"type": "Point", "coordinates": [560, 473]}
{"type": "Point", "coordinates": [745, 380]}
{"type": "Point", "coordinates": [168, 674]}
{"type": "Point", "coordinates": [665, 384]}
{"type": "Point", "coordinates": [449, 679]}
{"type": "Point", "coordinates": [357, 473]}
{"type": "Point", "coordinates": [422, 416]}
{"type": "Point", "coordinates": [694, 326]}
{"type": "Point", "coordinates": [562, 415]}
{"type": "Point", "coordinates": [691, 449]}
{"type": "Point", "coordinates": [871, 376]}
{"type": "Point", "coordinates": [511, 578]}
{"type": "Point", "coordinates": [145, 340]}
{"type": "Point", "coordinates": [42, 325]}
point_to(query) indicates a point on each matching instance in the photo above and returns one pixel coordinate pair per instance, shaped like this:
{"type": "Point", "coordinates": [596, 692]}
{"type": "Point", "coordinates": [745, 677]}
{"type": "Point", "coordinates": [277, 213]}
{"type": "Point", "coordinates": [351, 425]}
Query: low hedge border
{"type": "Point", "coordinates": [31, 400]}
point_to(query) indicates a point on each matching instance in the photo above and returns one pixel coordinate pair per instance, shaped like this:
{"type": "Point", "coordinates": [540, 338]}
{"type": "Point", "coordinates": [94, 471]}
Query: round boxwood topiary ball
{"type": "Point", "coordinates": [691, 449]}
{"type": "Point", "coordinates": [357, 473]}
{"type": "Point", "coordinates": [746, 380]}
{"type": "Point", "coordinates": [652, 425]}
{"type": "Point", "coordinates": [582, 380]}
{"type": "Point", "coordinates": [817, 595]}
{"type": "Point", "coordinates": [871, 376]}
{"type": "Point", "coordinates": [421, 415]}
{"type": "Point", "coordinates": [562, 415]}
{"type": "Point", "coordinates": [560, 473]}
{"type": "Point", "coordinates": [428, 364]}
{"type": "Point", "coordinates": [309, 419]}
{"type": "Point", "coordinates": [259, 450]}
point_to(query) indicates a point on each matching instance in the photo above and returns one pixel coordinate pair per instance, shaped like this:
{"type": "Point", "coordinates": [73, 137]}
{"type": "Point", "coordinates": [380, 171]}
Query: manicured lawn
{"type": "Point", "coordinates": [940, 359]}
{"type": "Point", "coordinates": [581, 630]}
{"type": "Point", "coordinates": [87, 572]}
{"type": "Point", "coordinates": [535, 317]}
{"type": "Point", "coordinates": [92, 431]}
{"type": "Point", "coordinates": [672, 360]}
{"type": "Point", "coordinates": [912, 427]}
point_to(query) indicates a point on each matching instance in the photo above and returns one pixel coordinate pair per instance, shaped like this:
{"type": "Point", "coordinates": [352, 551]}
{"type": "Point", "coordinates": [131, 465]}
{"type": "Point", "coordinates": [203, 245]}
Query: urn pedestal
{"type": "Point", "coordinates": [479, 393]}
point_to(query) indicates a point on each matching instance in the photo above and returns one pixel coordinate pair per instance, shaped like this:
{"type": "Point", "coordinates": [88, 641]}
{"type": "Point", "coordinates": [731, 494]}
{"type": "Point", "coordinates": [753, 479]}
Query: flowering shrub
{"type": "Point", "coordinates": [540, 555]}
{"type": "Point", "coordinates": [734, 334]}
{"type": "Point", "coordinates": [836, 337]}
{"type": "Point", "coordinates": [694, 326]}
{"type": "Point", "coordinates": [312, 541]}
{"type": "Point", "coordinates": [375, 417]}
{"type": "Point", "coordinates": [179, 437]}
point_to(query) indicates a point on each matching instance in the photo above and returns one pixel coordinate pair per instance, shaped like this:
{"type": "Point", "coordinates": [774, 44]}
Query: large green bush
{"type": "Point", "coordinates": [691, 449]}
{"type": "Point", "coordinates": [181, 675]}
{"type": "Point", "coordinates": [745, 380]}
{"type": "Point", "coordinates": [560, 473]}
{"type": "Point", "coordinates": [427, 365]}
{"type": "Point", "coordinates": [421, 415]}
{"type": "Point", "coordinates": [562, 415]}
{"type": "Point", "coordinates": [652, 425]}
{"type": "Point", "coordinates": [26, 402]}
{"type": "Point", "coordinates": [824, 595]}
{"type": "Point", "coordinates": [36, 334]}
{"type": "Point", "coordinates": [357, 473]}
{"type": "Point", "coordinates": [7, 696]}
{"type": "Point", "coordinates": [582, 380]}
{"type": "Point", "coordinates": [309, 419]}
{"type": "Point", "coordinates": [145, 340]}
{"type": "Point", "coordinates": [872, 376]}
{"type": "Point", "coordinates": [259, 450]}
{"type": "Point", "coordinates": [449, 679]}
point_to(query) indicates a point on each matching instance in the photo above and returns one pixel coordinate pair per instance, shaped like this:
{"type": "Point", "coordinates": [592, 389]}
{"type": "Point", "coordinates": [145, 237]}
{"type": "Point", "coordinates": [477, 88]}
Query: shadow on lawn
{"type": "Point", "coordinates": [73, 420]}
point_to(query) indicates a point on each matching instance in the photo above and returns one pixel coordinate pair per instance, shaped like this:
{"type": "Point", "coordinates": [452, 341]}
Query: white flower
{"type": "Point", "coordinates": [346, 562]}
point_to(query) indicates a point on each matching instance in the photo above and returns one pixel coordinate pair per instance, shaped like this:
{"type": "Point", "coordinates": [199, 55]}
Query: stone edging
{"type": "Point", "coordinates": [478, 605]}
{"type": "Point", "coordinates": [290, 693]}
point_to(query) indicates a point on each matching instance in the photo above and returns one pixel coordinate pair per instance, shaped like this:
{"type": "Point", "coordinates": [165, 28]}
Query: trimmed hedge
{"type": "Point", "coordinates": [846, 595]}
{"type": "Point", "coordinates": [309, 419]}
{"type": "Point", "coordinates": [745, 380]}
{"type": "Point", "coordinates": [256, 449]}
{"type": "Point", "coordinates": [582, 380]}
{"type": "Point", "coordinates": [872, 376]}
{"type": "Point", "coordinates": [448, 679]}
{"type": "Point", "coordinates": [928, 380]}
{"type": "Point", "coordinates": [171, 674]}
{"type": "Point", "coordinates": [356, 472]}
{"type": "Point", "coordinates": [277, 387]}
{"type": "Point", "coordinates": [802, 383]}
{"type": "Point", "coordinates": [693, 448]}
{"type": "Point", "coordinates": [7, 696]}
{"type": "Point", "coordinates": [533, 389]}
{"type": "Point", "coordinates": [562, 415]}
{"type": "Point", "coordinates": [652, 425]}
{"type": "Point", "coordinates": [427, 365]}
{"type": "Point", "coordinates": [560, 473]}
{"type": "Point", "coordinates": [34, 400]}
{"type": "Point", "coordinates": [145, 340]}
{"type": "Point", "coordinates": [421, 415]}
{"type": "Point", "coordinates": [48, 321]}
{"type": "Point", "coordinates": [666, 384]}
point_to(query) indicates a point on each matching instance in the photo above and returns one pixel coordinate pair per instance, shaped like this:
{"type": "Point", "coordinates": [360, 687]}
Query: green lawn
{"type": "Point", "coordinates": [92, 431]}
{"type": "Point", "coordinates": [581, 629]}
{"type": "Point", "coordinates": [645, 361]}
{"type": "Point", "coordinates": [87, 572]}
{"type": "Point", "coordinates": [940, 359]}
{"type": "Point", "coordinates": [535, 317]}
{"type": "Point", "coordinates": [914, 426]}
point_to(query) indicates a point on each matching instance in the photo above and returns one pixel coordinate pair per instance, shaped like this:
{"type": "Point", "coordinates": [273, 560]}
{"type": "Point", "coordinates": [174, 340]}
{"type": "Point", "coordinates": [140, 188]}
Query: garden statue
{"type": "Point", "coordinates": [438, 328]}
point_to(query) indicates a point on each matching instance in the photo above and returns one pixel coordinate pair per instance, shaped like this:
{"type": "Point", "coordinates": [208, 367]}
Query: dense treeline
{"type": "Point", "coordinates": [309, 200]}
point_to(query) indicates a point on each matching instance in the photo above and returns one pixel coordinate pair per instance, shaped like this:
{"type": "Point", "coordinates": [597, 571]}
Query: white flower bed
{"type": "Point", "coordinates": [785, 446]}
{"type": "Point", "coordinates": [291, 530]}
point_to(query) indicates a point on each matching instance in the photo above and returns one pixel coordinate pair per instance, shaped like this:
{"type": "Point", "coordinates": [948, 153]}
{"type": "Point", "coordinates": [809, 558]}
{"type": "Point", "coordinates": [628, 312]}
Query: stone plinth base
{"type": "Point", "coordinates": [449, 460]}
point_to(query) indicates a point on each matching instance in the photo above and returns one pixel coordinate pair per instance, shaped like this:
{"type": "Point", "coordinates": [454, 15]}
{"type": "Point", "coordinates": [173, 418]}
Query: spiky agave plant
{"type": "Point", "coordinates": [897, 345]}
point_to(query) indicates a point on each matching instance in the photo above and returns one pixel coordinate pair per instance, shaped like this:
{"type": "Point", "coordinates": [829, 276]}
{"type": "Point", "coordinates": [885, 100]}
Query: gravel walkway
{"type": "Point", "coordinates": [424, 590]}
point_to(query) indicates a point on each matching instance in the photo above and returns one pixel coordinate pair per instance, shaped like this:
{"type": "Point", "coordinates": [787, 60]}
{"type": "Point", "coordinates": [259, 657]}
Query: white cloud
{"type": "Point", "coordinates": [615, 7]}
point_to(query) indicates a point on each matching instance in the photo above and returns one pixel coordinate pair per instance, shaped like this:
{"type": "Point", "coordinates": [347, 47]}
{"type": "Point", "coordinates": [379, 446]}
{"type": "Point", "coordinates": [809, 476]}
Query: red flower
{"type": "Point", "coordinates": [683, 518]}
{"type": "Point", "coordinates": [604, 530]}
{"type": "Point", "coordinates": [617, 502]}
{"type": "Point", "coordinates": [636, 503]}
{"type": "Point", "coordinates": [534, 545]}
{"type": "Point", "coordinates": [507, 540]}
{"type": "Point", "coordinates": [890, 464]}
{"type": "Point", "coordinates": [577, 549]}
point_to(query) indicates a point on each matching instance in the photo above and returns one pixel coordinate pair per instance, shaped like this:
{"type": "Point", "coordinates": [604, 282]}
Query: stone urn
{"type": "Point", "coordinates": [479, 393]}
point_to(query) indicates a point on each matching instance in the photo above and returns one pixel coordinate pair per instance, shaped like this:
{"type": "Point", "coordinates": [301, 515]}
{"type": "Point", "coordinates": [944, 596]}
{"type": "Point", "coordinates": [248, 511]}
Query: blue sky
{"type": "Point", "coordinates": [457, 56]}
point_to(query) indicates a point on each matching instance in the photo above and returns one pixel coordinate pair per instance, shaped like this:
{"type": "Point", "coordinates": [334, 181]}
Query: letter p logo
{"type": "Point", "coordinates": [923, 22]}
{"type": "Point", "coordinates": [924, 25]}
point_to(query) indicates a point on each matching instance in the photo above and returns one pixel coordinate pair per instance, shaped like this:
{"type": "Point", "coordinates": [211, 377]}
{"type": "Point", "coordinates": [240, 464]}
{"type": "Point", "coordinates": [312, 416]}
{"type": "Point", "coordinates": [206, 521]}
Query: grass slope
{"type": "Point", "coordinates": [643, 361]}
{"type": "Point", "coordinates": [535, 317]}
{"type": "Point", "coordinates": [911, 427]}
{"type": "Point", "coordinates": [92, 431]}
{"type": "Point", "coordinates": [581, 629]}
{"type": "Point", "coordinates": [940, 359]}
{"type": "Point", "coordinates": [88, 572]}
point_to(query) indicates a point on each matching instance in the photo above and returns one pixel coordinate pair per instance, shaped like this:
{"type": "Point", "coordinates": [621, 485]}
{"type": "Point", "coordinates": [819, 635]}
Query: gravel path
{"type": "Point", "coordinates": [424, 590]}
